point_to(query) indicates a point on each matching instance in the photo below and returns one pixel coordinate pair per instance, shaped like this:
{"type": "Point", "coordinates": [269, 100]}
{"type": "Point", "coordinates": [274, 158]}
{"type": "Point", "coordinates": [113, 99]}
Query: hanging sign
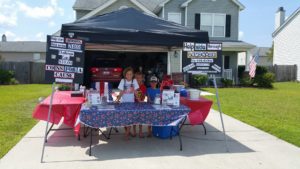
{"type": "Point", "coordinates": [202, 58]}
{"type": "Point", "coordinates": [64, 60]}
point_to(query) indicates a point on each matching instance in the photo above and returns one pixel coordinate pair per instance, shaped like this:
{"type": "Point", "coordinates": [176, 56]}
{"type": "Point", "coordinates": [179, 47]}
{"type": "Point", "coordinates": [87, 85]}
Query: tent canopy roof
{"type": "Point", "coordinates": [130, 26]}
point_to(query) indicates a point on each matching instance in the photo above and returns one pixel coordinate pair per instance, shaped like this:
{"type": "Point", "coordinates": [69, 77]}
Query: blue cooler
{"type": "Point", "coordinates": [164, 131]}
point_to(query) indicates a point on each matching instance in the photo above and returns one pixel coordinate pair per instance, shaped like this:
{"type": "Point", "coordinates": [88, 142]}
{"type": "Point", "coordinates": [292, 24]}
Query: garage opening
{"type": "Point", "coordinates": [108, 65]}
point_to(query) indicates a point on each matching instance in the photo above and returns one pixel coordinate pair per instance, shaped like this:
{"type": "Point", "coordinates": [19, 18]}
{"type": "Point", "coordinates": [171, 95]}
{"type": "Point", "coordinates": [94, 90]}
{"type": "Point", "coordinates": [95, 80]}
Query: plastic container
{"type": "Point", "coordinates": [164, 132]}
{"type": "Point", "coordinates": [194, 93]}
{"type": "Point", "coordinates": [178, 88]}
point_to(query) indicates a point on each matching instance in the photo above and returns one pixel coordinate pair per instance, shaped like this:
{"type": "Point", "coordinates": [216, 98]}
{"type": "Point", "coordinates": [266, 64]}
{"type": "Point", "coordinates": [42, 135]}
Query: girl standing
{"type": "Point", "coordinates": [128, 89]}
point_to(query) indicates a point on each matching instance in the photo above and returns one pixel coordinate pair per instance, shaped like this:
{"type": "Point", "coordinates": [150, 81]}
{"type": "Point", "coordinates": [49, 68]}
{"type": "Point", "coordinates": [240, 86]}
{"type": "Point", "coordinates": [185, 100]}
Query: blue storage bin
{"type": "Point", "coordinates": [183, 93]}
{"type": "Point", "coordinates": [164, 131]}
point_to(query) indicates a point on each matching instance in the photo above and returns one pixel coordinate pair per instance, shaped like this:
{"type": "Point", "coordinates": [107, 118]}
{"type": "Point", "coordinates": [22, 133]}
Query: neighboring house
{"type": "Point", "coordinates": [18, 51]}
{"type": "Point", "coordinates": [286, 39]}
{"type": "Point", "coordinates": [262, 52]}
{"type": "Point", "coordinates": [219, 17]}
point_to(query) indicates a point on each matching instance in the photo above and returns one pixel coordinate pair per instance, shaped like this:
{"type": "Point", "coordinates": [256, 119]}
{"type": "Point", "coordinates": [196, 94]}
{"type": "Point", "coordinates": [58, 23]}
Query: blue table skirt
{"type": "Point", "coordinates": [125, 114]}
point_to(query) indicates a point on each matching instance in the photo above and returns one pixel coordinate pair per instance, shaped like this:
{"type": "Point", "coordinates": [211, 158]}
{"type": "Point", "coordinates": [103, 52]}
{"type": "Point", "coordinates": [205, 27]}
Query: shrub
{"type": "Point", "coordinates": [227, 82]}
{"type": "Point", "coordinates": [246, 82]}
{"type": "Point", "coordinates": [260, 70]}
{"type": "Point", "coordinates": [13, 81]}
{"type": "Point", "coordinates": [265, 80]}
{"type": "Point", "coordinates": [199, 80]}
{"type": "Point", "coordinates": [64, 88]}
{"type": "Point", "coordinates": [6, 76]}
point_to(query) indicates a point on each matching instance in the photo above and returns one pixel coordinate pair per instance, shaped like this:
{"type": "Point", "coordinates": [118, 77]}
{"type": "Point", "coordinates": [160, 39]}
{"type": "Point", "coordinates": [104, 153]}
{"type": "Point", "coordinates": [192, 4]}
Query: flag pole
{"type": "Point", "coordinates": [48, 119]}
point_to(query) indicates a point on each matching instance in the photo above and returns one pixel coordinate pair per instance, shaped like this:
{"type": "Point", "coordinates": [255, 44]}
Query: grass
{"type": "Point", "coordinates": [276, 111]}
{"type": "Point", "coordinates": [16, 105]}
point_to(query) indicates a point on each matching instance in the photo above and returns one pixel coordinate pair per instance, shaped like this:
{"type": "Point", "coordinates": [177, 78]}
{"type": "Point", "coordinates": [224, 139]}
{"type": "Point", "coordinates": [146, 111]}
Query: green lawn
{"type": "Point", "coordinates": [276, 111]}
{"type": "Point", "coordinates": [16, 106]}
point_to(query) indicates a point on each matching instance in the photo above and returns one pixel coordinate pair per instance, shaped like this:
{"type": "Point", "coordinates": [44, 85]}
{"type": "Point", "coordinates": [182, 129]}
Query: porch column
{"type": "Point", "coordinates": [169, 62]}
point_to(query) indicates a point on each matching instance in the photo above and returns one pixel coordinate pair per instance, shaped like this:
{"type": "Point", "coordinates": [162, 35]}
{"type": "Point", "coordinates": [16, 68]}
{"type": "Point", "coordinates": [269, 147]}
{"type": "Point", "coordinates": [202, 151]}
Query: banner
{"type": "Point", "coordinates": [64, 60]}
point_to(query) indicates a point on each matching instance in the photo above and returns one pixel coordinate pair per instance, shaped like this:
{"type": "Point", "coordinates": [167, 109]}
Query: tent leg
{"type": "Point", "coordinates": [220, 111]}
{"type": "Point", "coordinates": [48, 119]}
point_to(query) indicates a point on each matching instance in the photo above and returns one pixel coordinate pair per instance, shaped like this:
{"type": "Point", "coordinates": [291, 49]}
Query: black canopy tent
{"type": "Point", "coordinates": [132, 27]}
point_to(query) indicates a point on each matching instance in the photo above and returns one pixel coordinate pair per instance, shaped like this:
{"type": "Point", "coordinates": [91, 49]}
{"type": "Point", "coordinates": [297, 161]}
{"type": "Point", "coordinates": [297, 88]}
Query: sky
{"type": "Point", "coordinates": [32, 20]}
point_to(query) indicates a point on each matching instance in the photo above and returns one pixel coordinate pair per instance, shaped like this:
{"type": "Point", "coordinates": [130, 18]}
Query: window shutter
{"type": "Point", "coordinates": [228, 26]}
{"type": "Point", "coordinates": [197, 21]}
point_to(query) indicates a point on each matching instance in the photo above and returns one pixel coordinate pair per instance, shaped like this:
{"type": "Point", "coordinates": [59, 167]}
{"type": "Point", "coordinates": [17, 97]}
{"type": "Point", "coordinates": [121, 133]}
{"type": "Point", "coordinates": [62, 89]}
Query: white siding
{"type": "Point", "coordinates": [287, 45]}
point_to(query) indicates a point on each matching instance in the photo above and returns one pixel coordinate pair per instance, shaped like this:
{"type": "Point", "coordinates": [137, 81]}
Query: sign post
{"type": "Point", "coordinates": [48, 119]}
{"type": "Point", "coordinates": [64, 64]}
{"type": "Point", "coordinates": [205, 58]}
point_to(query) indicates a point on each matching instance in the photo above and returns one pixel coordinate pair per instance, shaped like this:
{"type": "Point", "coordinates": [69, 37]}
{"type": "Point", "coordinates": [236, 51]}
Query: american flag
{"type": "Point", "coordinates": [252, 66]}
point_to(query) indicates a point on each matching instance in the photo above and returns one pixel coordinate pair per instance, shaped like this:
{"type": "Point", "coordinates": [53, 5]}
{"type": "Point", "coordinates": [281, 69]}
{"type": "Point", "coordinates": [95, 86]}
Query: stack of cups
{"type": "Point", "coordinates": [106, 91]}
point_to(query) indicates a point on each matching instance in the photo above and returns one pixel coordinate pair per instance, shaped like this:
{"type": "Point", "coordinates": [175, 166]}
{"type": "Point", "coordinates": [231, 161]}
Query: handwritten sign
{"type": "Point", "coordinates": [64, 60]}
{"type": "Point", "coordinates": [202, 58]}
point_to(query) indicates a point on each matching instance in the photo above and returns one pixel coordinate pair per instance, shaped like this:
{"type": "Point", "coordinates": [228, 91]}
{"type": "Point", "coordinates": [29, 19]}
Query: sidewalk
{"type": "Point", "coordinates": [249, 148]}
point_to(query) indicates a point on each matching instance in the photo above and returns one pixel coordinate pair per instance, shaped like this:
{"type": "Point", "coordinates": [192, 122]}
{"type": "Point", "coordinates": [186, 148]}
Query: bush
{"type": "Point", "coordinates": [6, 76]}
{"type": "Point", "coordinates": [261, 70]}
{"type": "Point", "coordinates": [227, 82]}
{"type": "Point", "coordinates": [260, 79]}
{"type": "Point", "coordinates": [13, 81]}
{"type": "Point", "coordinates": [64, 88]}
{"type": "Point", "coordinates": [265, 80]}
{"type": "Point", "coordinates": [246, 82]}
{"type": "Point", "coordinates": [199, 80]}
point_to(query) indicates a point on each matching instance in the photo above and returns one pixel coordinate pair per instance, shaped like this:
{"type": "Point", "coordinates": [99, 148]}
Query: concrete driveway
{"type": "Point", "coordinates": [248, 148]}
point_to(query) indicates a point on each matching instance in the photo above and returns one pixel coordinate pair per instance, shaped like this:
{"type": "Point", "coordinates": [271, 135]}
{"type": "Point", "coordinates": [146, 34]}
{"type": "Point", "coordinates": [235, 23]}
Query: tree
{"type": "Point", "coordinates": [270, 53]}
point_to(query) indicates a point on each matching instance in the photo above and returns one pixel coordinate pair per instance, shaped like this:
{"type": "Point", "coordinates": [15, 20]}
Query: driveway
{"type": "Point", "coordinates": [248, 148]}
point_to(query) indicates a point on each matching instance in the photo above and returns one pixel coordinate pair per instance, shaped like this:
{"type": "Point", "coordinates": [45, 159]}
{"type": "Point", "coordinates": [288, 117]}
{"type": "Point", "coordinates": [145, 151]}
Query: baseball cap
{"type": "Point", "coordinates": [153, 79]}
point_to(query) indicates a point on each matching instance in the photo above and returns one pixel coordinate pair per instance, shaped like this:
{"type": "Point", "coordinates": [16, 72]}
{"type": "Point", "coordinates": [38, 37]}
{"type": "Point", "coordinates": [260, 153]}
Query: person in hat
{"type": "Point", "coordinates": [153, 90]}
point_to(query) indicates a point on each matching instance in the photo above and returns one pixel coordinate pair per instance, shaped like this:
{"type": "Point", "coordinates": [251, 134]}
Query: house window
{"type": "Point", "coordinates": [214, 24]}
{"type": "Point", "coordinates": [174, 17]}
{"type": "Point", "coordinates": [36, 56]}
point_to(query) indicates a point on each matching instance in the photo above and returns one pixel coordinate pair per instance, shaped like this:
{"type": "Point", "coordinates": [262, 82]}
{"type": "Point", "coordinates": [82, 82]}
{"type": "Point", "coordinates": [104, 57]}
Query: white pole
{"type": "Point", "coordinates": [220, 111]}
{"type": "Point", "coordinates": [48, 119]}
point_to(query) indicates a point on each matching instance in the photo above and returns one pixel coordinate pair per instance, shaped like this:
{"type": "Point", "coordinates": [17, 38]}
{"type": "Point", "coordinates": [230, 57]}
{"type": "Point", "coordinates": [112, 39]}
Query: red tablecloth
{"type": "Point", "coordinates": [63, 106]}
{"type": "Point", "coordinates": [199, 109]}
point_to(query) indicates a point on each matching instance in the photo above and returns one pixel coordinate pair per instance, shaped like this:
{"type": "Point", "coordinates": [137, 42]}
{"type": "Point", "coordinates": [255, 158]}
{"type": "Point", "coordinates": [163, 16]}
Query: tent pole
{"type": "Point", "coordinates": [220, 111]}
{"type": "Point", "coordinates": [48, 119]}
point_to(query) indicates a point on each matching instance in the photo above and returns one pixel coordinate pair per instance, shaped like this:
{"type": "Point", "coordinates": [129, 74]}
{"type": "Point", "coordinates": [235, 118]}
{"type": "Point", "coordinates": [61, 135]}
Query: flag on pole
{"type": "Point", "coordinates": [252, 65]}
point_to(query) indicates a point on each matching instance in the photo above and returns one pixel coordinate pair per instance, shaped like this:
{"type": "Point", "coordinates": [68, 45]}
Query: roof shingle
{"type": "Point", "coordinates": [93, 4]}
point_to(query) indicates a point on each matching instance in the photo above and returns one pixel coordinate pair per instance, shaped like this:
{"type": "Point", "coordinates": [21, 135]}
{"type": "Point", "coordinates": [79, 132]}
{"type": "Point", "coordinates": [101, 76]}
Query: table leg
{"type": "Point", "coordinates": [204, 128]}
{"type": "Point", "coordinates": [46, 140]}
{"type": "Point", "coordinates": [110, 132]}
{"type": "Point", "coordinates": [91, 142]}
{"type": "Point", "coordinates": [179, 134]}
{"type": "Point", "coordinates": [85, 131]}
{"type": "Point", "coordinates": [116, 130]}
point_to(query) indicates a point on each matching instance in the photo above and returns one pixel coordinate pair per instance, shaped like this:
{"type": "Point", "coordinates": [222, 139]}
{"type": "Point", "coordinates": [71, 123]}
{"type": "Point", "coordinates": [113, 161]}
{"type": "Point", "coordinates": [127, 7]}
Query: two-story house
{"type": "Point", "coordinates": [219, 17]}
